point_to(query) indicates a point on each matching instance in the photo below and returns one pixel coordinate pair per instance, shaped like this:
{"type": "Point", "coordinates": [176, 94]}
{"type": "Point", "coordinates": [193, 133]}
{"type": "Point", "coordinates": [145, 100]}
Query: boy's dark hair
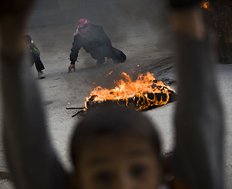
{"type": "Point", "coordinates": [112, 120]}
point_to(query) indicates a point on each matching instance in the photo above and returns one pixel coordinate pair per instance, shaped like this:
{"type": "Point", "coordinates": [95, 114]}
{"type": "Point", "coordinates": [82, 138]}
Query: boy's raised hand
{"type": "Point", "coordinates": [179, 4]}
{"type": "Point", "coordinates": [15, 8]}
{"type": "Point", "coordinates": [13, 17]}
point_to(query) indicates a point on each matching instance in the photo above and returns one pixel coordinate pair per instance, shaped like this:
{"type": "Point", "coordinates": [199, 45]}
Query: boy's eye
{"type": "Point", "coordinates": [138, 171]}
{"type": "Point", "coordinates": [105, 177]}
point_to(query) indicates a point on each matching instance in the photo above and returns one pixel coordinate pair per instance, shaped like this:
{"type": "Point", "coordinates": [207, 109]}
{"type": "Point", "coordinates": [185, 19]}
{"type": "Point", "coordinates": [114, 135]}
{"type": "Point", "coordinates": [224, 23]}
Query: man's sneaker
{"type": "Point", "coordinates": [41, 75]}
{"type": "Point", "coordinates": [71, 67]}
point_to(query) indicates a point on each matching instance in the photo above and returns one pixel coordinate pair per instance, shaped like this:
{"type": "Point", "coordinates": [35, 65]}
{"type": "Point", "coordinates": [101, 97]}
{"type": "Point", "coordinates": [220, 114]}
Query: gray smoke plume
{"type": "Point", "coordinates": [114, 15]}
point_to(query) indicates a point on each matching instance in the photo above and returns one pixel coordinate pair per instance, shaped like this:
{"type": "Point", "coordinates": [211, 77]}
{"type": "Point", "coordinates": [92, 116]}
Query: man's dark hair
{"type": "Point", "coordinates": [115, 121]}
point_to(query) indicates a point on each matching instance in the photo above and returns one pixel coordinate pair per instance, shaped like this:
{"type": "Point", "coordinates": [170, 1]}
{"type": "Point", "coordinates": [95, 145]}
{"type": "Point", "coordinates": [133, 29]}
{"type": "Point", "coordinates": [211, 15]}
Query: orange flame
{"type": "Point", "coordinates": [142, 92]}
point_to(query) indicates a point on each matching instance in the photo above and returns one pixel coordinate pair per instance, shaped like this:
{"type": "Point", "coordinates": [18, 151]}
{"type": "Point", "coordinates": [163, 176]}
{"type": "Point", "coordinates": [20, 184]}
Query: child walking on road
{"type": "Point", "coordinates": [35, 56]}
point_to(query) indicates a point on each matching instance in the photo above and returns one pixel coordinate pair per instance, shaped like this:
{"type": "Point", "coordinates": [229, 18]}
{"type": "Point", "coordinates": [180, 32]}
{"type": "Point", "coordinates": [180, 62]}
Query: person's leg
{"type": "Point", "coordinates": [39, 67]}
{"type": "Point", "coordinates": [118, 56]}
{"type": "Point", "coordinates": [99, 56]}
{"type": "Point", "coordinates": [100, 60]}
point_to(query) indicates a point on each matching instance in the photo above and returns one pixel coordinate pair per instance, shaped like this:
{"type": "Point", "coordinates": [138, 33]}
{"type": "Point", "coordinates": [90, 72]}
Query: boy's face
{"type": "Point", "coordinates": [118, 163]}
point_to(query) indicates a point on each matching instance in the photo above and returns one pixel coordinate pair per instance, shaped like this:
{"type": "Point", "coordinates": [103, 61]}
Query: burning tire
{"type": "Point", "coordinates": [145, 93]}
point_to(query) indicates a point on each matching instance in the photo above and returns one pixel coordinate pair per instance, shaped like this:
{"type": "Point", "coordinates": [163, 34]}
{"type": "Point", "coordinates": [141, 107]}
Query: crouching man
{"type": "Point", "coordinates": [95, 41]}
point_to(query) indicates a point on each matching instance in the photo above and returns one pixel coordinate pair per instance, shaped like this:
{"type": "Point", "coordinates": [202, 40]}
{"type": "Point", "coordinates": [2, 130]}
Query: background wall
{"type": "Point", "coordinates": [68, 11]}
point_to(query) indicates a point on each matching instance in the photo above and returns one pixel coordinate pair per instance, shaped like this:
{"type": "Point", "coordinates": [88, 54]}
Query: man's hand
{"type": "Point", "coordinates": [187, 19]}
{"type": "Point", "coordinates": [71, 68]}
{"type": "Point", "coordinates": [189, 22]}
{"type": "Point", "coordinates": [13, 17]}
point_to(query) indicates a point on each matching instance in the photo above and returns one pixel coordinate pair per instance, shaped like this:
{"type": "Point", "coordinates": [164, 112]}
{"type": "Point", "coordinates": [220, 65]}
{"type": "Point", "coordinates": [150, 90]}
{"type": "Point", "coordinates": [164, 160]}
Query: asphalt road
{"type": "Point", "coordinates": [61, 90]}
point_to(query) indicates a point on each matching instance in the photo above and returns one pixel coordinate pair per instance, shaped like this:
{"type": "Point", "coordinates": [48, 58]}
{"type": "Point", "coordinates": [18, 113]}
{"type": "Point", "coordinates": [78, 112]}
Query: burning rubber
{"type": "Point", "coordinates": [143, 94]}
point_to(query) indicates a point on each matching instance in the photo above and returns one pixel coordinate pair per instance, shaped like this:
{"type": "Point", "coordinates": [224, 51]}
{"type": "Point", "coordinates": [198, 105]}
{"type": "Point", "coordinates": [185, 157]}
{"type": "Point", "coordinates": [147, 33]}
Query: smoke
{"type": "Point", "coordinates": [151, 12]}
{"type": "Point", "coordinates": [116, 16]}
{"type": "Point", "coordinates": [125, 18]}
{"type": "Point", "coordinates": [119, 15]}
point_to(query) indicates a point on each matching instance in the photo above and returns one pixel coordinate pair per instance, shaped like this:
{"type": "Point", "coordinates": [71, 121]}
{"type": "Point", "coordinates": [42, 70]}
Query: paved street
{"type": "Point", "coordinates": [61, 90]}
